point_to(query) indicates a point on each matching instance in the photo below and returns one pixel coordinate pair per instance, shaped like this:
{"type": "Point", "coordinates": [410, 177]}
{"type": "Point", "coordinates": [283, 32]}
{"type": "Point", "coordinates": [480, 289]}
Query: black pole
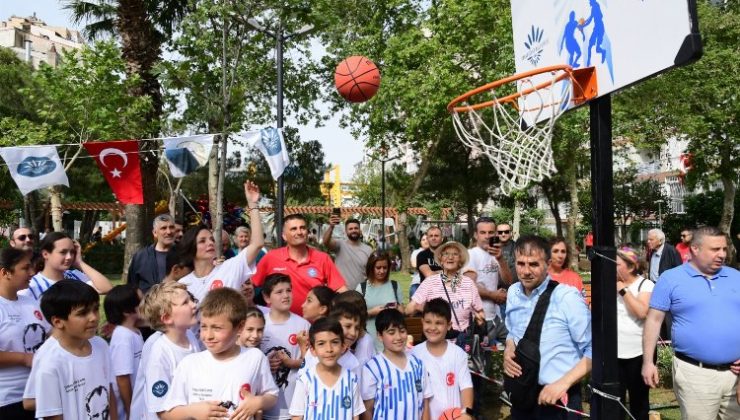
{"type": "Point", "coordinates": [281, 186]}
{"type": "Point", "coordinates": [382, 203]}
{"type": "Point", "coordinates": [605, 375]}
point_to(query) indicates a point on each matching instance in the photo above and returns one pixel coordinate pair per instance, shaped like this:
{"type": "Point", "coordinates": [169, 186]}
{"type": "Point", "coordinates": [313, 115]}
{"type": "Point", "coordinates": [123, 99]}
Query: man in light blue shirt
{"type": "Point", "coordinates": [565, 343]}
{"type": "Point", "coordinates": [703, 297]}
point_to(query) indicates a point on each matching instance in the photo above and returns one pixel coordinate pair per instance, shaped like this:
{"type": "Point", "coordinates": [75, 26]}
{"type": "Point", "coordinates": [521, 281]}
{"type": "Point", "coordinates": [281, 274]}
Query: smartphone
{"type": "Point", "coordinates": [336, 211]}
{"type": "Point", "coordinates": [493, 240]}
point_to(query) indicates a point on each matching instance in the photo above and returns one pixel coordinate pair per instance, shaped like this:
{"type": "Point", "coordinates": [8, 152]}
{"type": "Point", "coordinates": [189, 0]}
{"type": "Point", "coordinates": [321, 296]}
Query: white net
{"type": "Point", "coordinates": [516, 135]}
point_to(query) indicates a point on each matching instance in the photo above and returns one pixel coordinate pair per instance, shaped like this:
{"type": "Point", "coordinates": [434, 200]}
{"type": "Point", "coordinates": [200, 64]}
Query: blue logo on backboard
{"type": "Point", "coordinates": [159, 389]}
{"type": "Point", "coordinates": [535, 45]}
{"type": "Point", "coordinates": [35, 166]}
{"type": "Point", "coordinates": [271, 141]}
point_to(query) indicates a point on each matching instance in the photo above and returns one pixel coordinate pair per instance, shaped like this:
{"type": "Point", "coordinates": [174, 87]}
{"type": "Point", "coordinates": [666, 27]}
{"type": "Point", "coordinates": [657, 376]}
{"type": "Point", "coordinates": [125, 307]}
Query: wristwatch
{"type": "Point", "coordinates": [469, 411]}
{"type": "Point", "coordinates": [622, 291]}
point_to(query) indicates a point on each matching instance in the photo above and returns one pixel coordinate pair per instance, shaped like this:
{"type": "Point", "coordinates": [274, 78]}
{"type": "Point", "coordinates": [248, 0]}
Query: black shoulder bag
{"type": "Point", "coordinates": [524, 390]}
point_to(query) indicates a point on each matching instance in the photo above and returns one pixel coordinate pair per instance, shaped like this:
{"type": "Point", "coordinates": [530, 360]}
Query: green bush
{"type": "Point", "coordinates": [106, 257]}
{"type": "Point", "coordinates": [665, 366]}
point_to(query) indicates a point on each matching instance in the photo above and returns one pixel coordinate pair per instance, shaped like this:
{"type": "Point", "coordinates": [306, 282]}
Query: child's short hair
{"type": "Point", "coordinates": [438, 306]}
{"type": "Point", "coordinates": [389, 318]}
{"type": "Point", "coordinates": [157, 302]}
{"type": "Point", "coordinates": [273, 280]}
{"type": "Point", "coordinates": [254, 312]}
{"type": "Point", "coordinates": [225, 301]}
{"type": "Point", "coordinates": [344, 310]}
{"type": "Point", "coordinates": [354, 298]}
{"type": "Point", "coordinates": [325, 296]}
{"type": "Point", "coordinates": [121, 300]}
{"type": "Point", "coordinates": [175, 257]}
{"type": "Point", "coordinates": [325, 325]}
{"type": "Point", "coordinates": [65, 296]}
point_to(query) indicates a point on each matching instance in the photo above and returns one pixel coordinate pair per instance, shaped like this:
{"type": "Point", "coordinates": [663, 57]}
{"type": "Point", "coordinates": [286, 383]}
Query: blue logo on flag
{"type": "Point", "coordinates": [159, 389]}
{"type": "Point", "coordinates": [271, 140]}
{"type": "Point", "coordinates": [35, 166]}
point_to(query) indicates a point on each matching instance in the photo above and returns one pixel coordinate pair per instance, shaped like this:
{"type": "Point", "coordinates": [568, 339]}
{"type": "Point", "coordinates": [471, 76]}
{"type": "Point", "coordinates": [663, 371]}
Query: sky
{"type": "Point", "coordinates": [339, 145]}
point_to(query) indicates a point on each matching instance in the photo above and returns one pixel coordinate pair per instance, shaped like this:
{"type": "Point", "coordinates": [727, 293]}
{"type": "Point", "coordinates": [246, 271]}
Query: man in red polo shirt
{"type": "Point", "coordinates": [307, 267]}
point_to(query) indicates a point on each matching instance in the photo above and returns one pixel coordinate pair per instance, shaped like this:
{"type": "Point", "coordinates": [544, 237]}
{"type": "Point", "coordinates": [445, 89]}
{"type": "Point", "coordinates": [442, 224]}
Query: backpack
{"type": "Point", "coordinates": [394, 283]}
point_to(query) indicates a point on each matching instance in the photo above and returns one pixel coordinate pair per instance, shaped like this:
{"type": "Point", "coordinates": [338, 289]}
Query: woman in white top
{"type": "Point", "coordinates": [199, 251]}
{"type": "Point", "coordinates": [63, 261]}
{"type": "Point", "coordinates": [22, 331]}
{"type": "Point", "coordinates": [632, 307]}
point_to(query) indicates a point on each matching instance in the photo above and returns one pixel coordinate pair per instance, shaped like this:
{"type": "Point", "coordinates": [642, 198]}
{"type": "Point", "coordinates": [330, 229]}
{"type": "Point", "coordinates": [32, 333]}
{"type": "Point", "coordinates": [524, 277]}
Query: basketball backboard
{"type": "Point", "coordinates": [625, 40]}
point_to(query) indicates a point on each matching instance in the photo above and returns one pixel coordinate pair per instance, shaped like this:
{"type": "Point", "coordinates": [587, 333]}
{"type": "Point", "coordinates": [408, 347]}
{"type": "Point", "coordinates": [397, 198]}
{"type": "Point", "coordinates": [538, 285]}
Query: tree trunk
{"type": "Point", "coordinates": [552, 202]}
{"type": "Point", "coordinates": [517, 218]}
{"type": "Point", "coordinates": [728, 213]}
{"type": "Point", "coordinates": [135, 239]}
{"type": "Point", "coordinates": [213, 180]}
{"type": "Point", "coordinates": [55, 202]}
{"type": "Point", "coordinates": [403, 241]}
{"type": "Point", "coordinates": [89, 219]}
{"type": "Point", "coordinates": [470, 208]}
{"type": "Point", "coordinates": [573, 218]}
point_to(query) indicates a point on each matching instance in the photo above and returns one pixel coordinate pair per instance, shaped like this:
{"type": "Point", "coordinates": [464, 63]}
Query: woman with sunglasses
{"type": "Point", "coordinates": [559, 269]}
{"type": "Point", "coordinates": [633, 300]}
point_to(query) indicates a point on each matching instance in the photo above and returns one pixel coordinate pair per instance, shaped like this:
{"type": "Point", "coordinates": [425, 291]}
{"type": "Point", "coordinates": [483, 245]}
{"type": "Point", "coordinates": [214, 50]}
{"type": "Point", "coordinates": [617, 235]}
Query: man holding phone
{"type": "Point", "coordinates": [352, 254]}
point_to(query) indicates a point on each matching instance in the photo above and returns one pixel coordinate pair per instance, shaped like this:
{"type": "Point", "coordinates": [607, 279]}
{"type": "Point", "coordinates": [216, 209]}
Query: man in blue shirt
{"type": "Point", "coordinates": [565, 343]}
{"type": "Point", "coordinates": [703, 296]}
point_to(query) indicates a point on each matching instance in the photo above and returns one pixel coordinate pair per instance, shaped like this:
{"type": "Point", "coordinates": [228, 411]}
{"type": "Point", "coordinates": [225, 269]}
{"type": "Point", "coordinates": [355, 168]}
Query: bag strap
{"type": "Point", "coordinates": [395, 290]}
{"type": "Point", "coordinates": [450, 300]}
{"type": "Point", "coordinates": [534, 329]}
{"type": "Point", "coordinates": [363, 285]}
{"type": "Point", "coordinates": [643, 281]}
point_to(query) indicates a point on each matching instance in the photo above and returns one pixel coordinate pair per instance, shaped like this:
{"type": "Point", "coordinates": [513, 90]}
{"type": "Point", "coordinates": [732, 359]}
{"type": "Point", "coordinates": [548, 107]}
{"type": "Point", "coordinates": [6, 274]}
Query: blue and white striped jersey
{"type": "Point", "coordinates": [39, 283]}
{"type": "Point", "coordinates": [398, 394]}
{"type": "Point", "coordinates": [314, 400]}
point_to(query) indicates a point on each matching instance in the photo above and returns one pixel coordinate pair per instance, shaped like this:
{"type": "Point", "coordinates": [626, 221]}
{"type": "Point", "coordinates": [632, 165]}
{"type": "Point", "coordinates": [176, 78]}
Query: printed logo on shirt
{"type": "Point", "coordinates": [346, 401]}
{"type": "Point", "coordinates": [217, 284]}
{"type": "Point", "coordinates": [313, 272]}
{"type": "Point", "coordinates": [38, 315]}
{"type": "Point", "coordinates": [417, 382]}
{"type": "Point", "coordinates": [450, 378]}
{"type": "Point", "coordinates": [293, 339]}
{"type": "Point", "coordinates": [96, 404]}
{"type": "Point", "coordinates": [245, 390]}
{"type": "Point", "coordinates": [33, 337]}
{"type": "Point", "coordinates": [159, 389]}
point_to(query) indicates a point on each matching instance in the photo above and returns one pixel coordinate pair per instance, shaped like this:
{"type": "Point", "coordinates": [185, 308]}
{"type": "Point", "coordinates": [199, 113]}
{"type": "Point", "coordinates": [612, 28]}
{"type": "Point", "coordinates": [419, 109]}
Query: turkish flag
{"type": "Point", "coordinates": [119, 163]}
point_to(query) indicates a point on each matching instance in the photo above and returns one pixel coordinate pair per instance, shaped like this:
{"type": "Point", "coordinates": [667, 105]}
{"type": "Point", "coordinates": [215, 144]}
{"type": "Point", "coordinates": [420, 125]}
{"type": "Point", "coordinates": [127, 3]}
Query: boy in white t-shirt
{"type": "Point", "coordinates": [169, 309]}
{"type": "Point", "coordinates": [280, 341]}
{"type": "Point", "coordinates": [126, 343]}
{"type": "Point", "coordinates": [446, 363]}
{"type": "Point", "coordinates": [363, 347]}
{"type": "Point", "coordinates": [226, 380]}
{"type": "Point", "coordinates": [73, 379]}
{"type": "Point", "coordinates": [327, 390]}
{"type": "Point", "coordinates": [394, 385]}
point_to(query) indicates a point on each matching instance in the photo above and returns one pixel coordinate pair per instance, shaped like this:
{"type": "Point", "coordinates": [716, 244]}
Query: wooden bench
{"type": "Point", "coordinates": [414, 328]}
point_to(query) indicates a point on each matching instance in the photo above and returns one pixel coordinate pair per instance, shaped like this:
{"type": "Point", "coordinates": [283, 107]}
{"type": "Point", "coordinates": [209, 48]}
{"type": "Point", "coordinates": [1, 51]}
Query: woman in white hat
{"type": "Point", "coordinates": [451, 285]}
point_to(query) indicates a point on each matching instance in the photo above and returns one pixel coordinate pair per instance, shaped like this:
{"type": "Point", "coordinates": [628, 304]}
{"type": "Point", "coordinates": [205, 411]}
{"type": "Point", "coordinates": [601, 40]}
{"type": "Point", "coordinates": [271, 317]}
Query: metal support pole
{"type": "Point", "coordinates": [382, 204]}
{"type": "Point", "coordinates": [605, 374]}
{"type": "Point", "coordinates": [281, 186]}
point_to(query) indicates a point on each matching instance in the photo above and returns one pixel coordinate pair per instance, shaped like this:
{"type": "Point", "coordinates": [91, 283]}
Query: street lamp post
{"type": "Point", "coordinates": [383, 160]}
{"type": "Point", "coordinates": [280, 37]}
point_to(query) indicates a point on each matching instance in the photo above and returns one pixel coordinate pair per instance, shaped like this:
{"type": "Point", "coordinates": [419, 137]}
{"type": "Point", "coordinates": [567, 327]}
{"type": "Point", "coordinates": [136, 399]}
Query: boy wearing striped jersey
{"type": "Point", "coordinates": [326, 391]}
{"type": "Point", "coordinates": [394, 385]}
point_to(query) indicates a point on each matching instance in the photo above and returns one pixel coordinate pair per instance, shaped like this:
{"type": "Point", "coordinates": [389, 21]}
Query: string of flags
{"type": "Point", "coordinates": [35, 167]}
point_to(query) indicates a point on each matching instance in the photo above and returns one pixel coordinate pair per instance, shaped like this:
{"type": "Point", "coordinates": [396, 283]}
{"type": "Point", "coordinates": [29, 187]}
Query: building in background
{"type": "Point", "coordinates": [36, 42]}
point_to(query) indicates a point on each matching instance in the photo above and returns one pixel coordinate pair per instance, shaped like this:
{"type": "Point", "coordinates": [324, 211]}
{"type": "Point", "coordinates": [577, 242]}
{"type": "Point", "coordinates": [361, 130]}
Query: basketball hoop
{"type": "Point", "coordinates": [513, 128]}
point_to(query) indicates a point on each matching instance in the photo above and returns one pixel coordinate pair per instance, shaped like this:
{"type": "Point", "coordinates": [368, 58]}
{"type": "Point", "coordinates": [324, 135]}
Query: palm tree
{"type": "Point", "coordinates": [142, 27]}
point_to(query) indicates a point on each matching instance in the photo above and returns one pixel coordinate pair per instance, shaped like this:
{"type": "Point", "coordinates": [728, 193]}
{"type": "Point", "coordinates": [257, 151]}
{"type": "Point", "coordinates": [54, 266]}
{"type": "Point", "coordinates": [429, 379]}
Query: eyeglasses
{"type": "Point", "coordinates": [503, 232]}
{"type": "Point", "coordinates": [24, 237]}
{"type": "Point", "coordinates": [450, 255]}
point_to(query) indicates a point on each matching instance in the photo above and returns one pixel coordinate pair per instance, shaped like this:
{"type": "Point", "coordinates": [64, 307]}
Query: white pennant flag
{"type": "Point", "coordinates": [34, 167]}
{"type": "Point", "coordinates": [186, 154]}
{"type": "Point", "coordinates": [272, 145]}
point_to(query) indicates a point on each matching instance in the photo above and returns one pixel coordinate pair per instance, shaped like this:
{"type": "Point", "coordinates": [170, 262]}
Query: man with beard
{"type": "Point", "coordinates": [148, 266]}
{"type": "Point", "coordinates": [23, 239]}
{"type": "Point", "coordinates": [351, 254]}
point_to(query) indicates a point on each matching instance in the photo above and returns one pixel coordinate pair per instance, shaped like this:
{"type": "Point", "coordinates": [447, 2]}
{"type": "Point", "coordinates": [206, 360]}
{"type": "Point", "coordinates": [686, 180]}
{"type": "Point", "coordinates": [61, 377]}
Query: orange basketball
{"type": "Point", "coordinates": [357, 78]}
{"type": "Point", "coordinates": [450, 414]}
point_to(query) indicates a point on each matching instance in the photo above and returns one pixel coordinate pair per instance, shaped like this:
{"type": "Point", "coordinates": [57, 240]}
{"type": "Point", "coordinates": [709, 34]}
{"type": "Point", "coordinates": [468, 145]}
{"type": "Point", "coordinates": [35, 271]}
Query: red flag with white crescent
{"type": "Point", "coordinates": [119, 163]}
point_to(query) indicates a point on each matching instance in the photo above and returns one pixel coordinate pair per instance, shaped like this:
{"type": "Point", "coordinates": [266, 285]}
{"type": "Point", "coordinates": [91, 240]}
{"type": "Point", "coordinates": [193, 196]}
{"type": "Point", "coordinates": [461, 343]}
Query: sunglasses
{"type": "Point", "coordinates": [503, 232]}
{"type": "Point", "coordinates": [24, 237]}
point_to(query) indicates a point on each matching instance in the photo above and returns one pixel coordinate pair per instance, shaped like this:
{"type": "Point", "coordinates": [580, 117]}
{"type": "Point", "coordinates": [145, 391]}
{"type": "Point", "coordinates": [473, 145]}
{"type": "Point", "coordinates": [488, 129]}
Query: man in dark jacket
{"type": "Point", "coordinates": [147, 267]}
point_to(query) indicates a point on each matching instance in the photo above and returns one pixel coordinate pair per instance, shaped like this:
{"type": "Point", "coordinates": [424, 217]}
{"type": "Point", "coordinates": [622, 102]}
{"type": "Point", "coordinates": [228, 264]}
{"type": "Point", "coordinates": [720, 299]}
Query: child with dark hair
{"type": "Point", "coordinates": [126, 343]}
{"type": "Point", "coordinates": [280, 341]}
{"type": "Point", "coordinates": [326, 390]}
{"type": "Point", "coordinates": [394, 384]}
{"type": "Point", "coordinates": [176, 264]}
{"type": "Point", "coordinates": [75, 369]}
{"type": "Point", "coordinates": [447, 364]}
{"type": "Point", "coordinates": [22, 331]}
{"type": "Point", "coordinates": [364, 347]}
{"type": "Point", "coordinates": [318, 303]}
{"type": "Point", "coordinates": [346, 315]}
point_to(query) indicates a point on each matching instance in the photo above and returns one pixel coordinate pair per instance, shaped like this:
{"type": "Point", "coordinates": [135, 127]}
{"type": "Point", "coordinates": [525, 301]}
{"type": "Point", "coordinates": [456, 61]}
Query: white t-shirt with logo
{"type": "Point", "coordinates": [200, 377]}
{"type": "Point", "coordinates": [23, 329]}
{"type": "Point", "coordinates": [30, 392]}
{"type": "Point", "coordinates": [125, 354]}
{"type": "Point", "coordinates": [629, 328]}
{"type": "Point", "coordinates": [72, 386]}
{"type": "Point", "coordinates": [487, 268]}
{"type": "Point", "coordinates": [231, 273]}
{"type": "Point", "coordinates": [448, 375]}
{"type": "Point", "coordinates": [283, 336]}
{"type": "Point", "coordinates": [40, 283]}
{"type": "Point", "coordinates": [315, 400]}
{"type": "Point", "coordinates": [398, 393]}
{"type": "Point", "coordinates": [159, 358]}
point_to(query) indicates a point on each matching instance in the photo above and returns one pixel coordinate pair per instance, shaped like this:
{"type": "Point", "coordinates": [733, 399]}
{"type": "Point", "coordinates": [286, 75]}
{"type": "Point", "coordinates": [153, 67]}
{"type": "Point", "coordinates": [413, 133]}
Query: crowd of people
{"type": "Point", "coordinates": [294, 333]}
